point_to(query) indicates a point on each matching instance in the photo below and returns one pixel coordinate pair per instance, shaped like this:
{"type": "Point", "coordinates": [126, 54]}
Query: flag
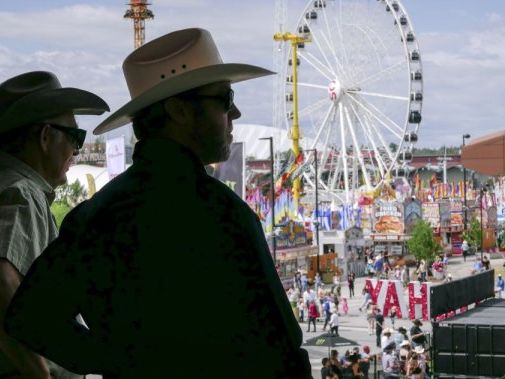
{"type": "Point", "coordinates": [286, 178]}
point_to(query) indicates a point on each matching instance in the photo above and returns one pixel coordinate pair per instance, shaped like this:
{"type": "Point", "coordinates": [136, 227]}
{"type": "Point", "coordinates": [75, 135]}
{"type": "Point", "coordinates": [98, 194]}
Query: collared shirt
{"type": "Point", "coordinates": [27, 226]}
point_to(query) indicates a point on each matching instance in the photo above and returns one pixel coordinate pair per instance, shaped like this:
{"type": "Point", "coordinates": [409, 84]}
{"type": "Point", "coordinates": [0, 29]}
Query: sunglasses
{"type": "Point", "coordinates": [76, 135]}
{"type": "Point", "coordinates": [226, 99]}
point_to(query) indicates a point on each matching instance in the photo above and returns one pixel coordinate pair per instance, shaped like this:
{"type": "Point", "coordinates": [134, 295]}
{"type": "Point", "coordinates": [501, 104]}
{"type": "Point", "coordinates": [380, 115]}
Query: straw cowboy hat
{"type": "Point", "coordinates": [172, 64]}
{"type": "Point", "coordinates": [419, 349]}
{"type": "Point", "coordinates": [387, 331]}
{"type": "Point", "coordinates": [37, 96]}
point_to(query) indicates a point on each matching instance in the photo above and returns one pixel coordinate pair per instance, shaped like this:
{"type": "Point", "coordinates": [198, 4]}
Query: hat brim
{"type": "Point", "coordinates": [232, 72]}
{"type": "Point", "coordinates": [38, 106]}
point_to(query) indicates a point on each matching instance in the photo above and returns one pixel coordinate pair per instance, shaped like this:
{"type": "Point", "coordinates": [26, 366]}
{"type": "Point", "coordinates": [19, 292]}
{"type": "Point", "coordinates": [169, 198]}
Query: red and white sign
{"type": "Point", "coordinates": [390, 293]}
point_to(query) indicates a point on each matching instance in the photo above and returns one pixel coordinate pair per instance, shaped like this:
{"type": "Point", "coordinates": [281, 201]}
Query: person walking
{"type": "Point", "coordinates": [327, 311]}
{"type": "Point", "coordinates": [350, 283]}
{"type": "Point", "coordinates": [111, 259]}
{"type": "Point", "coordinates": [379, 323]}
{"type": "Point", "coordinates": [464, 248]}
{"type": "Point", "coordinates": [334, 323]}
{"type": "Point", "coordinates": [500, 286]}
{"type": "Point", "coordinates": [313, 314]}
{"type": "Point", "coordinates": [370, 317]}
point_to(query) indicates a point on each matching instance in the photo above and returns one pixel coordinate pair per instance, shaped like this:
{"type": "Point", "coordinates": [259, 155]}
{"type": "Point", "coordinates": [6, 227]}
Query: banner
{"type": "Point", "coordinates": [231, 172]}
{"type": "Point", "coordinates": [456, 213]}
{"type": "Point", "coordinates": [413, 213]}
{"type": "Point", "coordinates": [389, 293]}
{"type": "Point", "coordinates": [431, 214]}
{"type": "Point", "coordinates": [445, 214]}
{"type": "Point", "coordinates": [388, 217]}
{"type": "Point", "coordinates": [115, 155]}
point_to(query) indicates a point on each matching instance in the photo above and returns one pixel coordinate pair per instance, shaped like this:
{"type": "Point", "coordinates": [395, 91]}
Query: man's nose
{"type": "Point", "coordinates": [234, 112]}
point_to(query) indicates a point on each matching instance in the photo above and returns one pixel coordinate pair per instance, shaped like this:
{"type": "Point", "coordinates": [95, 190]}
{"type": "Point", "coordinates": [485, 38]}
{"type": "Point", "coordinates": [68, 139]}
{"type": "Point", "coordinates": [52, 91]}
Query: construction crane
{"type": "Point", "coordinates": [139, 12]}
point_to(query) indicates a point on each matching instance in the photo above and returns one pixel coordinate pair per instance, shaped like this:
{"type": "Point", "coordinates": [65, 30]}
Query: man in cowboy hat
{"type": "Point", "coordinates": [417, 336]}
{"type": "Point", "coordinates": [118, 256]}
{"type": "Point", "coordinates": [38, 138]}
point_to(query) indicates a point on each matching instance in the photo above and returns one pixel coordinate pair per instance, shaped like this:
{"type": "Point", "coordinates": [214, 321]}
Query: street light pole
{"type": "Point", "coordinates": [482, 192]}
{"type": "Point", "coordinates": [316, 224]}
{"type": "Point", "coordinates": [481, 226]}
{"type": "Point", "coordinates": [465, 136]}
{"type": "Point", "coordinates": [272, 199]}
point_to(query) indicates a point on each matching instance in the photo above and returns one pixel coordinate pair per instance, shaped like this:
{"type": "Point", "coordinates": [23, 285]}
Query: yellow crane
{"type": "Point", "coordinates": [294, 40]}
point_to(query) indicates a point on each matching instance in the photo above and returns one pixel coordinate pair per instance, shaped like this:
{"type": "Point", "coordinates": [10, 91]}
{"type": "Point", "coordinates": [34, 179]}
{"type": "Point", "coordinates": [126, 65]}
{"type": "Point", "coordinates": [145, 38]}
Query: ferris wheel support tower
{"type": "Point", "coordinates": [139, 12]}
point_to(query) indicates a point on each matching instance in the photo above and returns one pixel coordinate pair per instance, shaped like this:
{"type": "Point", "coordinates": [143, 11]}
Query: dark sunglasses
{"type": "Point", "coordinates": [76, 135]}
{"type": "Point", "coordinates": [226, 98]}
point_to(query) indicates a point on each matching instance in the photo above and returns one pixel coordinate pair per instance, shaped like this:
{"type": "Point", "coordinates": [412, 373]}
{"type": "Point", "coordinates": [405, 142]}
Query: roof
{"type": "Point", "coordinates": [250, 134]}
{"type": "Point", "coordinates": [79, 171]}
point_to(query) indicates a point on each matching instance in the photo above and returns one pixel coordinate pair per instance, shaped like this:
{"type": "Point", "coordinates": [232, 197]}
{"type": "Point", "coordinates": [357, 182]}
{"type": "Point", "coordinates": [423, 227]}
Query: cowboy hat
{"type": "Point", "coordinates": [169, 65]}
{"type": "Point", "coordinates": [387, 331]}
{"type": "Point", "coordinates": [417, 322]}
{"type": "Point", "coordinates": [405, 343]}
{"type": "Point", "coordinates": [37, 96]}
{"type": "Point", "coordinates": [419, 349]}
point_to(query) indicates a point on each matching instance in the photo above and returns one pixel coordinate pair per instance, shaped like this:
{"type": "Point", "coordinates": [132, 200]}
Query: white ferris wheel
{"type": "Point", "coordinates": [360, 92]}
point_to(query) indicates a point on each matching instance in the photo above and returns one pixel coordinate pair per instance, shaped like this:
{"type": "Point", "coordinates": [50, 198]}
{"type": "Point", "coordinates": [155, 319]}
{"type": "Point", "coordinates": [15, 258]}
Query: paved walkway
{"type": "Point", "coordinates": [354, 325]}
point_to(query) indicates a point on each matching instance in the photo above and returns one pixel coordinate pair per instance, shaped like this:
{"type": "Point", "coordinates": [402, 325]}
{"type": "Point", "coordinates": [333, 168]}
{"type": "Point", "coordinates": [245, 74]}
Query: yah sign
{"type": "Point", "coordinates": [390, 293]}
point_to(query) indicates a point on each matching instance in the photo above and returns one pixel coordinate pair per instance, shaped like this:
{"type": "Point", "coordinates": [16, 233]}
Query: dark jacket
{"type": "Point", "coordinates": [150, 262]}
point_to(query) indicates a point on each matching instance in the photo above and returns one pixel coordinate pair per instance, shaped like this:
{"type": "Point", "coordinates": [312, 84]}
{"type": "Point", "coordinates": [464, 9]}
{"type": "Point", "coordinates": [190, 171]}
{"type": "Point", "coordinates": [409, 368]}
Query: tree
{"type": "Point", "coordinates": [59, 210]}
{"type": "Point", "coordinates": [422, 244]}
{"type": "Point", "coordinates": [71, 194]}
{"type": "Point", "coordinates": [474, 235]}
{"type": "Point", "coordinates": [67, 197]}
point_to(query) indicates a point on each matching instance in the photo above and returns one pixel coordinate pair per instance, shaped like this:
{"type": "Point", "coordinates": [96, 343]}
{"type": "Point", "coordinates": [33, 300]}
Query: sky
{"type": "Point", "coordinates": [462, 45]}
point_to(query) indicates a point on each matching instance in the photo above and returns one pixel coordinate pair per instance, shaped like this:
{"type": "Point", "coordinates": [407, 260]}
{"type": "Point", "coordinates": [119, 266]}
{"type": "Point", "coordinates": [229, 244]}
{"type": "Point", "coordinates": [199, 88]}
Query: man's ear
{"type": "Point", "coordinates": [177, 109]}
{"type": "Point", "coordinates": [45, 135]}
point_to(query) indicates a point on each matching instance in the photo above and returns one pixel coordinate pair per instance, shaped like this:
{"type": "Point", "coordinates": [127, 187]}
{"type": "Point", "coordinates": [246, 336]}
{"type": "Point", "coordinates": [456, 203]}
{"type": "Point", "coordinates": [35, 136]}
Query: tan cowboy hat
{"type": "Point", "coordinates": [387, 331]}
{"type": "Point", "coordinates": [37, 96]}
{"type": "Point", "coordinates": [419, 349]}
{"type": "Point", "coordinates": [172, 64]}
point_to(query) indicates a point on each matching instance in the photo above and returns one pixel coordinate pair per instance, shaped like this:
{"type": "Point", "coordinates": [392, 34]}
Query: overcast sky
{"type": "Point", "coordinates": [462, 45]}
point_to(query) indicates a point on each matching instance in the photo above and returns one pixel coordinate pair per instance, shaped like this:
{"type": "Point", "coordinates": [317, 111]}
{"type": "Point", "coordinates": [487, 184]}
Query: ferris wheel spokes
{"type": "Point", "coordinates": [382, 95]}
{"type": "Point", "coordinates": [379, 74]}
{"type": "Point", "coordinates": [314, 39]}
{"type": "Point", "coordinates": [357, 149]}
{"type": "Point", "coordinates": [381, 114]}
{"type": "Point", "coordinates": [328, 75]}
{"type": "Point", "coordinates": [333, 45]}
{"type": "Point", "coordinates": [368, 133]}
{"type": "Point", "coordinates": [343, 152]}
{"type": "Point", "coordinates": [394, 132]}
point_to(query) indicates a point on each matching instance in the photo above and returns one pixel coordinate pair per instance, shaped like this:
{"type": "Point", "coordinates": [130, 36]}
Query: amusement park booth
{"type": "Point", "coordinates": [293, 251]}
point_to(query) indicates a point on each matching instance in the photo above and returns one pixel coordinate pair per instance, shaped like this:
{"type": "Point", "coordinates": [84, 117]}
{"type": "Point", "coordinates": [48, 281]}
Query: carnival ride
{"type": "Point", "coordinates": [352, 78]}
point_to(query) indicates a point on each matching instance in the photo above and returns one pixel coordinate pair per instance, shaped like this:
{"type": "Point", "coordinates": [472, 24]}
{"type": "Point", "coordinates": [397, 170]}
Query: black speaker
{"type": "Point", "coordinates": [459, 339]}
{"type": "Point", "coordinates": [443, 339]}
{"type": "Point", "coordinates": [499, 340]}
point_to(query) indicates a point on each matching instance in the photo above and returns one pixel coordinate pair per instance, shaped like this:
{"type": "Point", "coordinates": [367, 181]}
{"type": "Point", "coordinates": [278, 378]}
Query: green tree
{"type": "Point", "coordinates": [422, 244]}
{"type": "Point", "coordinates": [71, 194]}
{"type": "Point", "coordinates": [67, 197]}
{"type": "Point", "coordinates": [474, 235]}
{"type": "Point", "coordinates": [59, 210]}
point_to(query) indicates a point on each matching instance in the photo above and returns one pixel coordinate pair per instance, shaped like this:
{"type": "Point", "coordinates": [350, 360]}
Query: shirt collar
{"type": "Point", "coordinates": [164, 151]}
{"type": "Point", "coordinates": [8, 161]}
